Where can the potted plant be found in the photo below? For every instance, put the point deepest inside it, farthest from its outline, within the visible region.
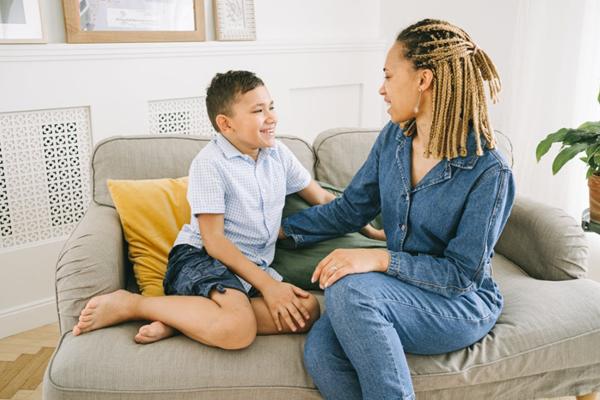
(585, 138)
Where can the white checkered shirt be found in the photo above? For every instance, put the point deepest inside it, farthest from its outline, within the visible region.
(250, 194)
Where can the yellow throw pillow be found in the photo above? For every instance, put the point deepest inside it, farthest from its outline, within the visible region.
(152, 212)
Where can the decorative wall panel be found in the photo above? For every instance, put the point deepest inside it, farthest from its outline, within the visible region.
(44, 174)
(183, 116)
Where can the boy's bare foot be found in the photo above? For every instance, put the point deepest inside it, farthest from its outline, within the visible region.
(106, 310)
(154, 332)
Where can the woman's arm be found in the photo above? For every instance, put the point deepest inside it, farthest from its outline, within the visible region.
(350, 212)
(461, 268)
(314, 194)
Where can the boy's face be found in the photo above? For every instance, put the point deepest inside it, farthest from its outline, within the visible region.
(251, 125)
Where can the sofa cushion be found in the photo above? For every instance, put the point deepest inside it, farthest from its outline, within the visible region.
(101, 363)
(152, 211)
(544, 327)
(160, 156)
(545, 241)
(527, 341)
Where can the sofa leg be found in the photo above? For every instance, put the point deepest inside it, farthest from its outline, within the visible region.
(589, 396)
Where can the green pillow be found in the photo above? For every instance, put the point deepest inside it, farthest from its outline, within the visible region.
(297, 265)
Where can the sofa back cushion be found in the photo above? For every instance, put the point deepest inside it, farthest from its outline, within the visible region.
(341, 152)
(159, 156)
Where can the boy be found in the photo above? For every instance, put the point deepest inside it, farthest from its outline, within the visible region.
(220, 260)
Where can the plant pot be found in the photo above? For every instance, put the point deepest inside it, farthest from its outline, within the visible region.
(594, 185)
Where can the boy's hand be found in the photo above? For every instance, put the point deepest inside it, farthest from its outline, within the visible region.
(284, 304)
(372, 233)
(281, 235)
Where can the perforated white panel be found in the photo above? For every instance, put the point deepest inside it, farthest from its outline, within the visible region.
(44, 174)
(185, 116)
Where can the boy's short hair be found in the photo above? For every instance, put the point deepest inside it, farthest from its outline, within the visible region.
(223, 90)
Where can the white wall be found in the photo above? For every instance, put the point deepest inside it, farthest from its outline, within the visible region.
(317, 59)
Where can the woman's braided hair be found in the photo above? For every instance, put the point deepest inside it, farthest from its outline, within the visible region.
(459, 71)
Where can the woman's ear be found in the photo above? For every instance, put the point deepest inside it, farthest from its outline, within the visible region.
(426, 79)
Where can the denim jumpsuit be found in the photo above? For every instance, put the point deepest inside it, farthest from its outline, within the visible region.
(438, 294)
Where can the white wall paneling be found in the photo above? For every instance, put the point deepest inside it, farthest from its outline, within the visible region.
(44, 174)
(321, 108)
(180, 116)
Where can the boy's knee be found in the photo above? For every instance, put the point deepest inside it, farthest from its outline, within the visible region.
(314, 310)
(234, 332)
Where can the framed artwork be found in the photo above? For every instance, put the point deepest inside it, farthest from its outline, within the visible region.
(21, 22)
(133, 21)
(234, 20)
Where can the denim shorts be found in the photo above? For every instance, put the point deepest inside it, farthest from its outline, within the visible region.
(192, 272)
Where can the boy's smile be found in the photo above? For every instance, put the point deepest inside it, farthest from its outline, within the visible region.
(251, 123)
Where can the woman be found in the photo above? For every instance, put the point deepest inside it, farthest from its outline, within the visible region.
(445, 195)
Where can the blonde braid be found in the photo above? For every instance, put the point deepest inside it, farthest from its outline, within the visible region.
(460, 69)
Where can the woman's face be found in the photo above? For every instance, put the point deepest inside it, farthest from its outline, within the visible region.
(400, 88)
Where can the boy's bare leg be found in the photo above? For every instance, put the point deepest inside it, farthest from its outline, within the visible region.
(265, 326)
(225, 320)
(264, 321)
(154, 332)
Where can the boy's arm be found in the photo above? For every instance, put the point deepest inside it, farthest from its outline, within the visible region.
(314, 194)
(222, 249)
(282, 299)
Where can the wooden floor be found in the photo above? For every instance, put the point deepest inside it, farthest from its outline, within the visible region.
(23, 360)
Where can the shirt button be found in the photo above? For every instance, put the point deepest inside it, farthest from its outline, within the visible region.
(402, 227)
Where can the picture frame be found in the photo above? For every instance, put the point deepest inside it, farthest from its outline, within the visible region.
(134, 21)
(234, 20)
(21, 22)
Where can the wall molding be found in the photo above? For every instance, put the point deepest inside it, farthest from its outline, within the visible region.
(27, 316)
(71, 52)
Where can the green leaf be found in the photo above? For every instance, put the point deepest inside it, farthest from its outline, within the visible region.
(579, 136)
(589, 173)
(590, 126)
(566, 154)
(544, 145)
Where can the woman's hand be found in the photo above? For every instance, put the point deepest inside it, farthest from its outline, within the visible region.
(342, 262)
(283, 302)
(372, 233)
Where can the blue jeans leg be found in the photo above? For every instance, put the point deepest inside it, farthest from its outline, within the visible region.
(378, 318)
(328, 365)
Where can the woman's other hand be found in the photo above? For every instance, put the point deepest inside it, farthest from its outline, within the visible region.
(342, 262)
(372, 233)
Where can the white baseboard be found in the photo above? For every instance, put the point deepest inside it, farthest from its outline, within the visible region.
(27, 316)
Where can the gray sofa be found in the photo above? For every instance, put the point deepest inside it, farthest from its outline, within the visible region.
(546, 343)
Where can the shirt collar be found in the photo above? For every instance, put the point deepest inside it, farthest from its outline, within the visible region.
(230, 151)
(466, 162)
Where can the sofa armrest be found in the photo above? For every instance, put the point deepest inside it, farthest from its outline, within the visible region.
(544, 241)
(92, 262)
